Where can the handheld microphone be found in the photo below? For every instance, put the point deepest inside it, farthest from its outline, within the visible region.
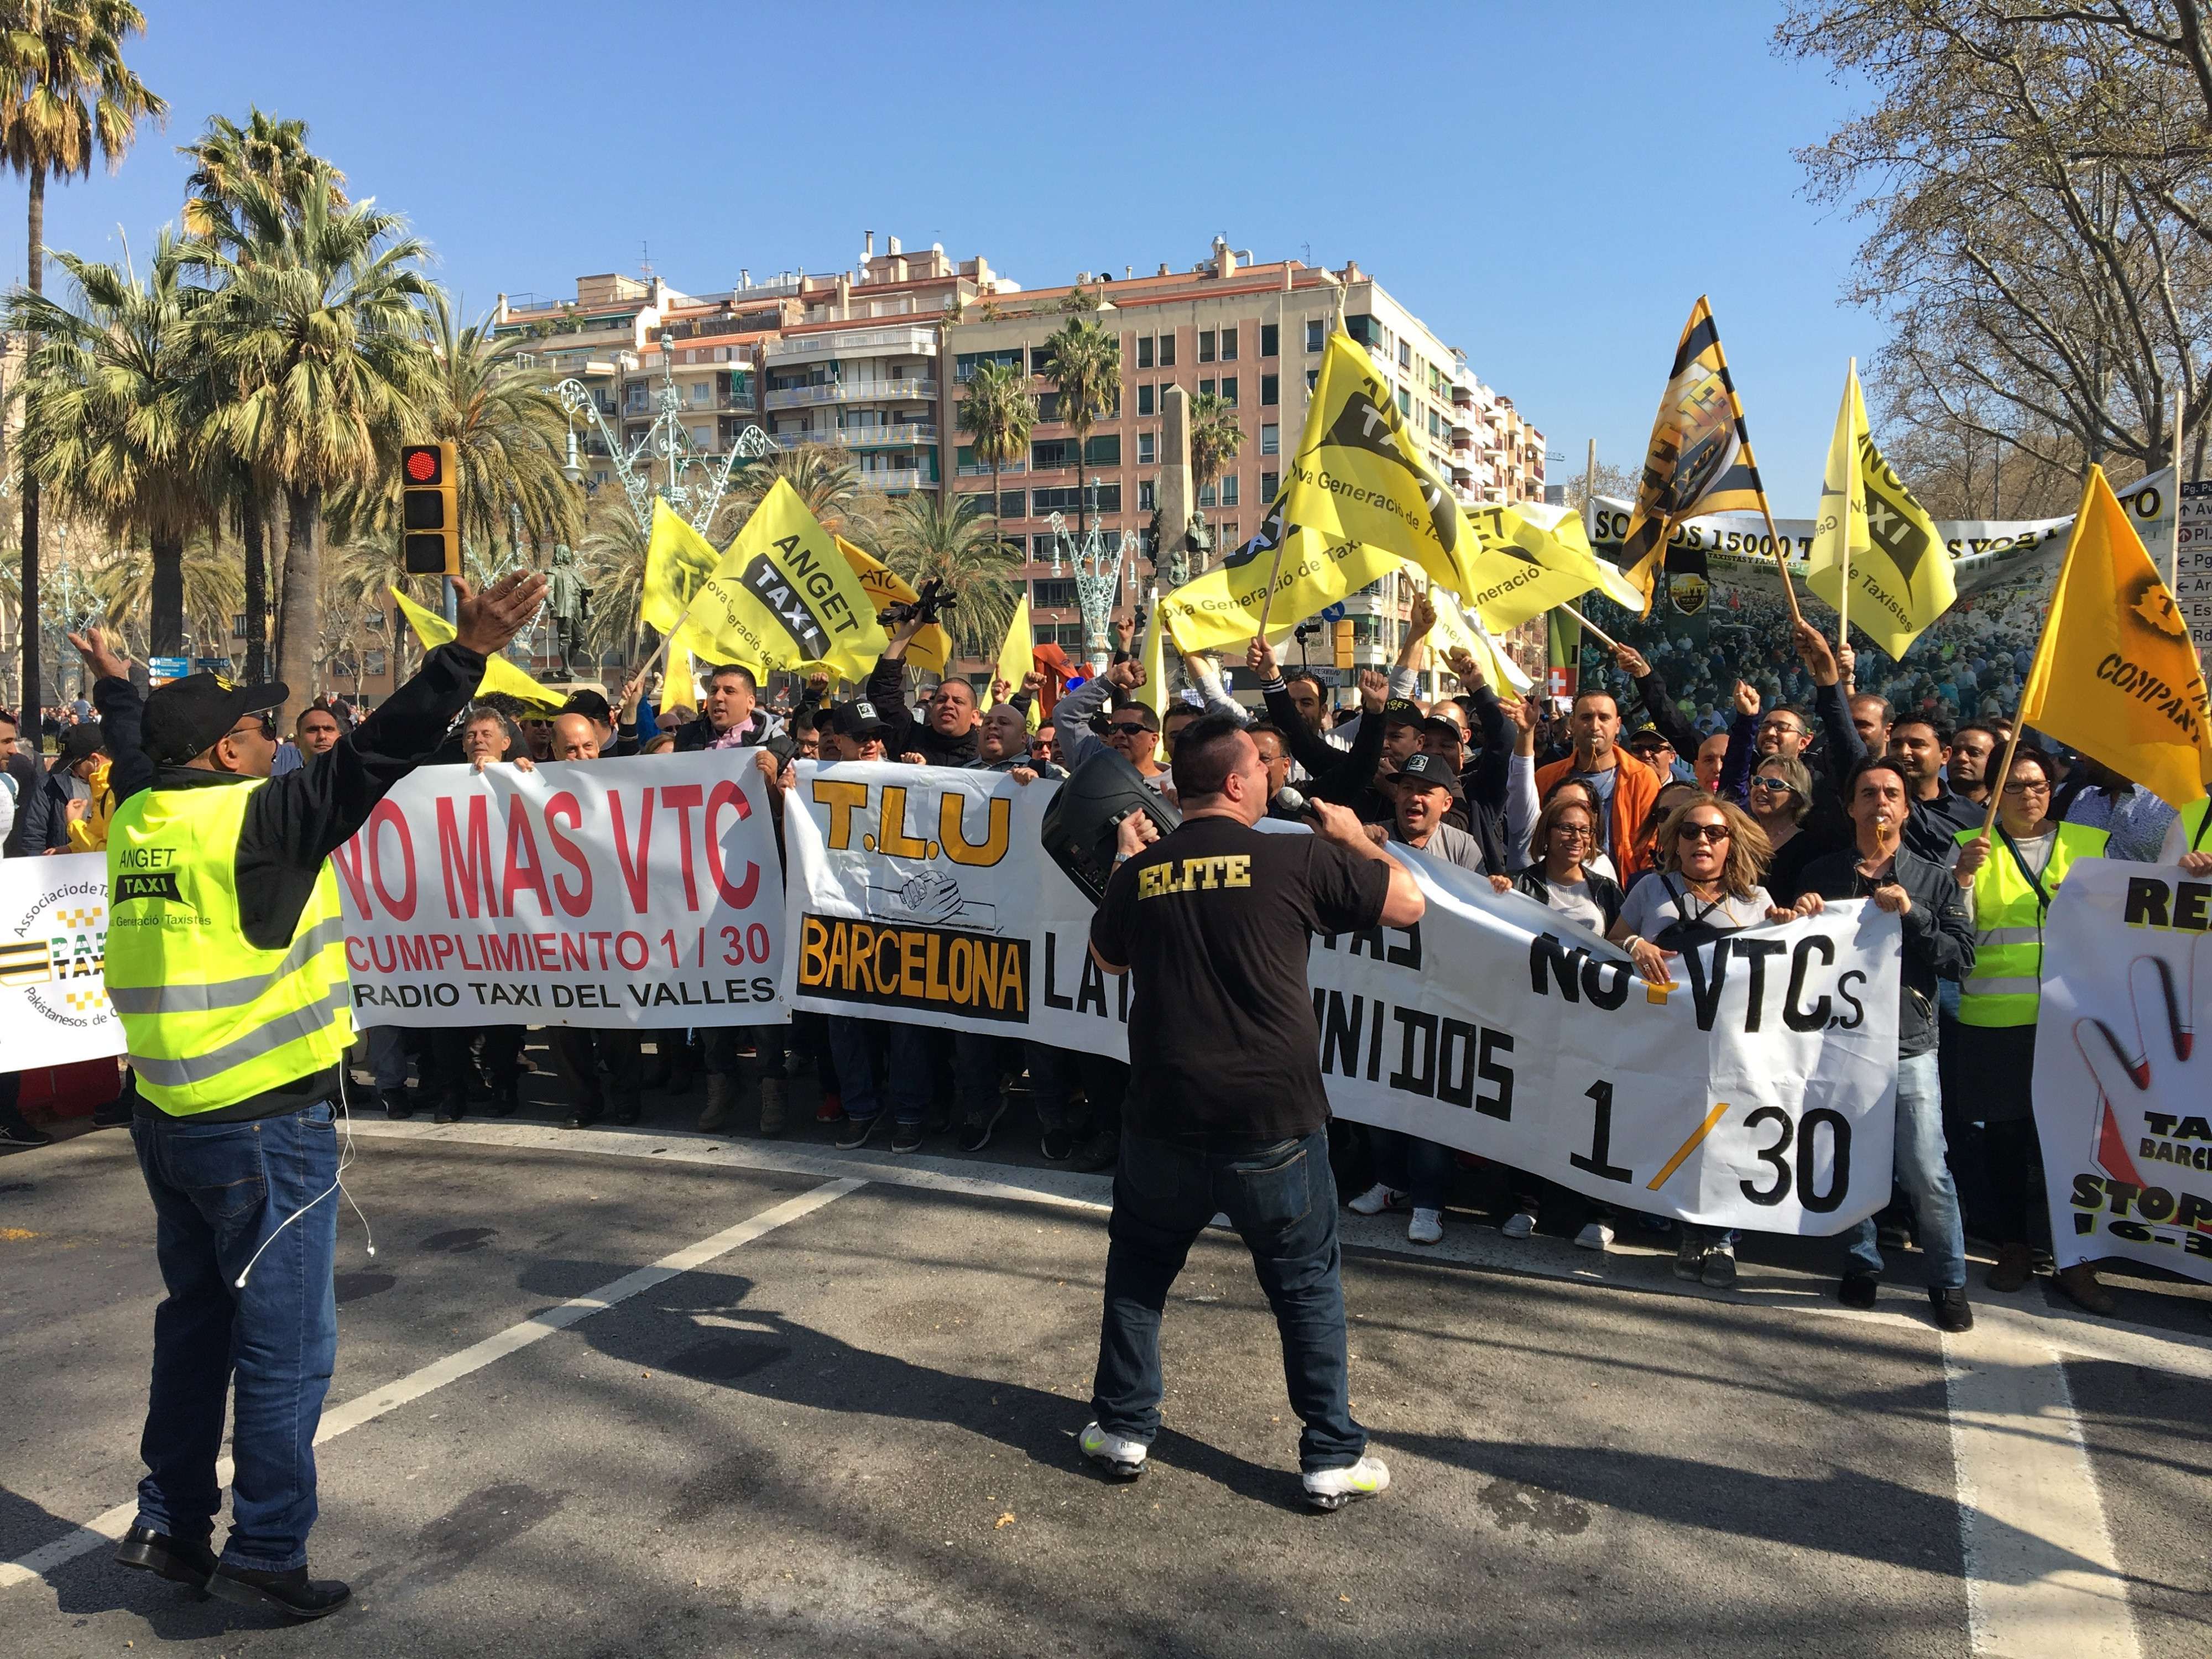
(1289, 802)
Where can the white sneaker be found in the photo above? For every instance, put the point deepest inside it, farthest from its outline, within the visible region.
(1595, 1236)
(1427, 1227)
(1122, 1459)
(1377, 1198)
(1332, 1489)
(1519, 1224)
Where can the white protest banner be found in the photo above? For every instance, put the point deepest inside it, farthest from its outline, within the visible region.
(2123, 1094)
(1760, 1092)
(627, 892)
(53, 945)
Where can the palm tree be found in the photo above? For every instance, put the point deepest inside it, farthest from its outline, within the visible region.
(1086, 367)
(64, 91)
(113, 411)
(999, 412)
(824, 477)
(1215, 437)
(212, 587)
(275, 153)
(927, 536)
(612, 560)
(314, 320)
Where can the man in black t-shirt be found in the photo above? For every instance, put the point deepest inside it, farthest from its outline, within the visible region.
(1225, 1112)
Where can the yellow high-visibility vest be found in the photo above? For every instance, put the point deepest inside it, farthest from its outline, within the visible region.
(210, 1018)
(2006, 986)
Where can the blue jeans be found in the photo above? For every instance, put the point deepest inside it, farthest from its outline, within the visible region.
(220, 1191)
(1422, 1169)
(906, 1060)
(1281, 1199)
(1926, 1178)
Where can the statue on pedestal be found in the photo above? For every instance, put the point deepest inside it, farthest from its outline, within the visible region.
(569, 602)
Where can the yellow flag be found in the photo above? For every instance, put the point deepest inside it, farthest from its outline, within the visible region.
(1358, 476)
(1871, 533)
(783, 598)
(500, 674)
(1153, 693)
(2115, 675)
(1699, 459)
(1015, 661)
(931, 648)
(1460, 627)
(1532, 557)
(677, 559)
(1222, 607)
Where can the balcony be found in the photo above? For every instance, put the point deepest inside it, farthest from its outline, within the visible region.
(893, 481)
(861, 437)
(982, 469)
(854, 391)
(906, 341)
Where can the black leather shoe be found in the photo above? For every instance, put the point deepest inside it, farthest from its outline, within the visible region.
(177, 1559)
(1951, 1310)
(1858, 1290)
(292, 1592)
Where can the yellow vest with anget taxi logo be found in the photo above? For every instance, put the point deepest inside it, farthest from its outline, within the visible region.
(2006, 987)
(211, 1020)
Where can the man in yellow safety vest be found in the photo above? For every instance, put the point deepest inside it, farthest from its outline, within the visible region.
(226, 965)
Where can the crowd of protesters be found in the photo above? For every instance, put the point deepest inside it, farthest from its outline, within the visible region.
(1655, 820)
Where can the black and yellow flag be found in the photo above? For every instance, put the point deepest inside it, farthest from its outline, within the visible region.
(1875, 549)
(1700, 455)
(1359, 477)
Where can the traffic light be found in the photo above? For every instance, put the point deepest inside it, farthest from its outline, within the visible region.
(1342, 640)
(429, 515)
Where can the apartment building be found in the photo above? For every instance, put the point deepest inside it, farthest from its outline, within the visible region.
(872, 360)
(1253, 334)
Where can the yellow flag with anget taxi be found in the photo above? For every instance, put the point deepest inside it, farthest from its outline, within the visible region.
(1357, 475)
(1222, 608)
(2115, 674)
(1874, 539)
(783, 598)
(500, 675)
(677, 561)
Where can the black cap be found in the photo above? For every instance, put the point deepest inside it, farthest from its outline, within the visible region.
(81, 742)
(1401, 711)
(190, 716)
(591, 705)
(1429, 771)
(1436, 726)
(1647, 734)
(857, 719)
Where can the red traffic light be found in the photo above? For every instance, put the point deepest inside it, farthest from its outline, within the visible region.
(421, 464)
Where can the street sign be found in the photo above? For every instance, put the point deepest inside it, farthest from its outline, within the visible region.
(160, 670)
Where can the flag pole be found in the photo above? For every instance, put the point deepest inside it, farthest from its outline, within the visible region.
(2174, 564)
(1782, 557)
(1604, 636)
(1843, 588)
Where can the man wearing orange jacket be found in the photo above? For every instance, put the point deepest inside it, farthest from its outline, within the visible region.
(1624, 785)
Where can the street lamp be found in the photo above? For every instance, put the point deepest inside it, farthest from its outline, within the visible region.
(693, 482)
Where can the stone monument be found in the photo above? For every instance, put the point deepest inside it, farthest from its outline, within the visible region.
(1174, 496)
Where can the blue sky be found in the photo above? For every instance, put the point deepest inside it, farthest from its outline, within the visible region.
(1549, 186)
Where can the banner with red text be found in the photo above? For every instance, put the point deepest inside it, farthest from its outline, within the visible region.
(2123, 1094)
(628, 892)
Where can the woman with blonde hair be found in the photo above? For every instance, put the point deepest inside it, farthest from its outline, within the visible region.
(1711, 856)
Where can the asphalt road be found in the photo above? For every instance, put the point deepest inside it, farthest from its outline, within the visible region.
(854, 1432)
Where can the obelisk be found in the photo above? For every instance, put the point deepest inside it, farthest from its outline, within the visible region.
(1173, 495)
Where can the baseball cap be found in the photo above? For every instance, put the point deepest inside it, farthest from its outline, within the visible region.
(1648, 736)
(1401, 711)
(82, 742)
(189, 716)
(1436, 726)
(858, 719)
(1430, 772)
(591, 705)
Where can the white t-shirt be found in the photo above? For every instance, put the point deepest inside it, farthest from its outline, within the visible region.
(1571, 899)
(1650, 910)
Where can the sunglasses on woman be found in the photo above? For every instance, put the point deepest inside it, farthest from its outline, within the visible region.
(1712, 832)
(1782, 784)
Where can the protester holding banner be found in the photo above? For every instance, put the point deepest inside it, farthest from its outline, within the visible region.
(2008, 888)
(729, 715)
(1566, 833)
(1225, 1109)
(945, 735)
(1422, 789)
(2134, 819)
(225, 960)
(2188, 839)
(1780, 799)
(1938, 943)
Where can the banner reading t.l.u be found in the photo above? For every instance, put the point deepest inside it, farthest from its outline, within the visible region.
(1760, 1092)
(2123, 1094)
(629, 892)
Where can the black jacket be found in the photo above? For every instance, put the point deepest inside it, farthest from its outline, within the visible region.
(908, 736)
(1604, 891)
(1939, 939)
(294, 823)
(42, 816)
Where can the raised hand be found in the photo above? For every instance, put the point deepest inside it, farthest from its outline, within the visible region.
(1747, 700)
(1631, 661)
(1374, 688)
(1260, 657)
(491, 618)
(100, 656)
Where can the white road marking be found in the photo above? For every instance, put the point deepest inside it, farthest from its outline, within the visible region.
(367, 1408)
(2043, 1581)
